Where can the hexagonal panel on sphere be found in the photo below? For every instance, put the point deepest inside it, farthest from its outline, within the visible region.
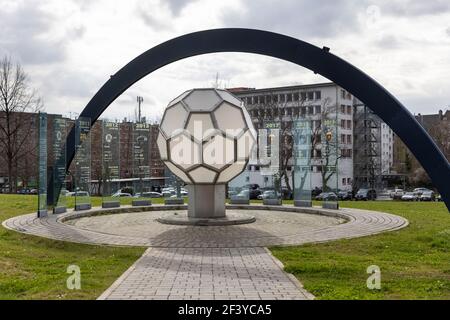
(230, 119)
(203, 175)
(202, 100)
(218, 151)
(199, 125)
(173, 119)
(184, 152)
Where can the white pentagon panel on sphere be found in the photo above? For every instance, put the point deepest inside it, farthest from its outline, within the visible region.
(245, 144)
(229, 97)
(177, 171)
(173, 119)
(183, 151)
(231, 172)
(230, 119)
(179, 98)
(203, 175)
(218, 151)
(161, 142)
(199, 125)
(202, 100)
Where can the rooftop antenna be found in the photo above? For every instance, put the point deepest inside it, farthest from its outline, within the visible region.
(139, 101)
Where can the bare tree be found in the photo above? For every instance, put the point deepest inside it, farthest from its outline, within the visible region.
(16, 98)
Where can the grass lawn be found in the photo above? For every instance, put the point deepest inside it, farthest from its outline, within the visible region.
(35, 268)
(414, 262)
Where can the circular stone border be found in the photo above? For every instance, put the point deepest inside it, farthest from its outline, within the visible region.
(358, 223)
(231, 218)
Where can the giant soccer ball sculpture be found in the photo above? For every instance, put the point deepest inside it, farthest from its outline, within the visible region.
(206, 138)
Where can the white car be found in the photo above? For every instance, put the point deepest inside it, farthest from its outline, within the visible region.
(121, 195)
(410, 196)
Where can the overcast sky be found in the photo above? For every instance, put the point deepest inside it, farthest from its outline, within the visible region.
(69, 48)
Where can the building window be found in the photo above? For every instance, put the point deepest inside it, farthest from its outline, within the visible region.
(344, 180)
(349, 139)
(342, 94)
(289, 97)
(349, 109)
(342, 138)
(296, 96)
(318, 95)
(311, 95)
(282, 97)
(342, 109)
(318, 109)
(349, 124)
(310, 110)
(342, 124)
(303, 96)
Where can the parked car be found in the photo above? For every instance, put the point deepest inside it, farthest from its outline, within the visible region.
(439, 198)
(427, 196)
(366, 194)
(121, 195)
(420, 191)
(149, 194)
(410, 196)
(345, 195)
(398, 194)
(269, 194)
(251, 194)
(327, 196)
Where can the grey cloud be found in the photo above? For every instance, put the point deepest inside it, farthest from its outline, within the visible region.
(448, 31)
(299, 18)
(176, 6)
(415, 7)
(20, 35)
(152, 21)
(388, 42)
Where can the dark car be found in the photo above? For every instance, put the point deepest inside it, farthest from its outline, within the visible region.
(254, 193)
(287, 194)
(327, 196)
(366, 194)
(345, 195)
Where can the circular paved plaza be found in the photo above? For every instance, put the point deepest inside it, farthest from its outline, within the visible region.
(284, 225)
(207, 262)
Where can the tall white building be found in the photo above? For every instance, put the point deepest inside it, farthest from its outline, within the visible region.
(313, 102)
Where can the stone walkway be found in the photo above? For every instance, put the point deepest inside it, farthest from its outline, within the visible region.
(206, 274)
(195, 262)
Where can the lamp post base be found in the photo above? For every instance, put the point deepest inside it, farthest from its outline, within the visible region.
(206, 201)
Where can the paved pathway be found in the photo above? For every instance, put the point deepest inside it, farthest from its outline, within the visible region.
(206, 273)
(194, 262)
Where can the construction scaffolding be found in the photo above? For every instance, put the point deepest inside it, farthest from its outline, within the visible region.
(367, 148)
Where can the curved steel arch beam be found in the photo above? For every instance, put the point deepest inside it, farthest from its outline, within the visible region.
(386, 106)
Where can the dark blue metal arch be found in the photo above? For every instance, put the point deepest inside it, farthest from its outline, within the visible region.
(386, 106)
